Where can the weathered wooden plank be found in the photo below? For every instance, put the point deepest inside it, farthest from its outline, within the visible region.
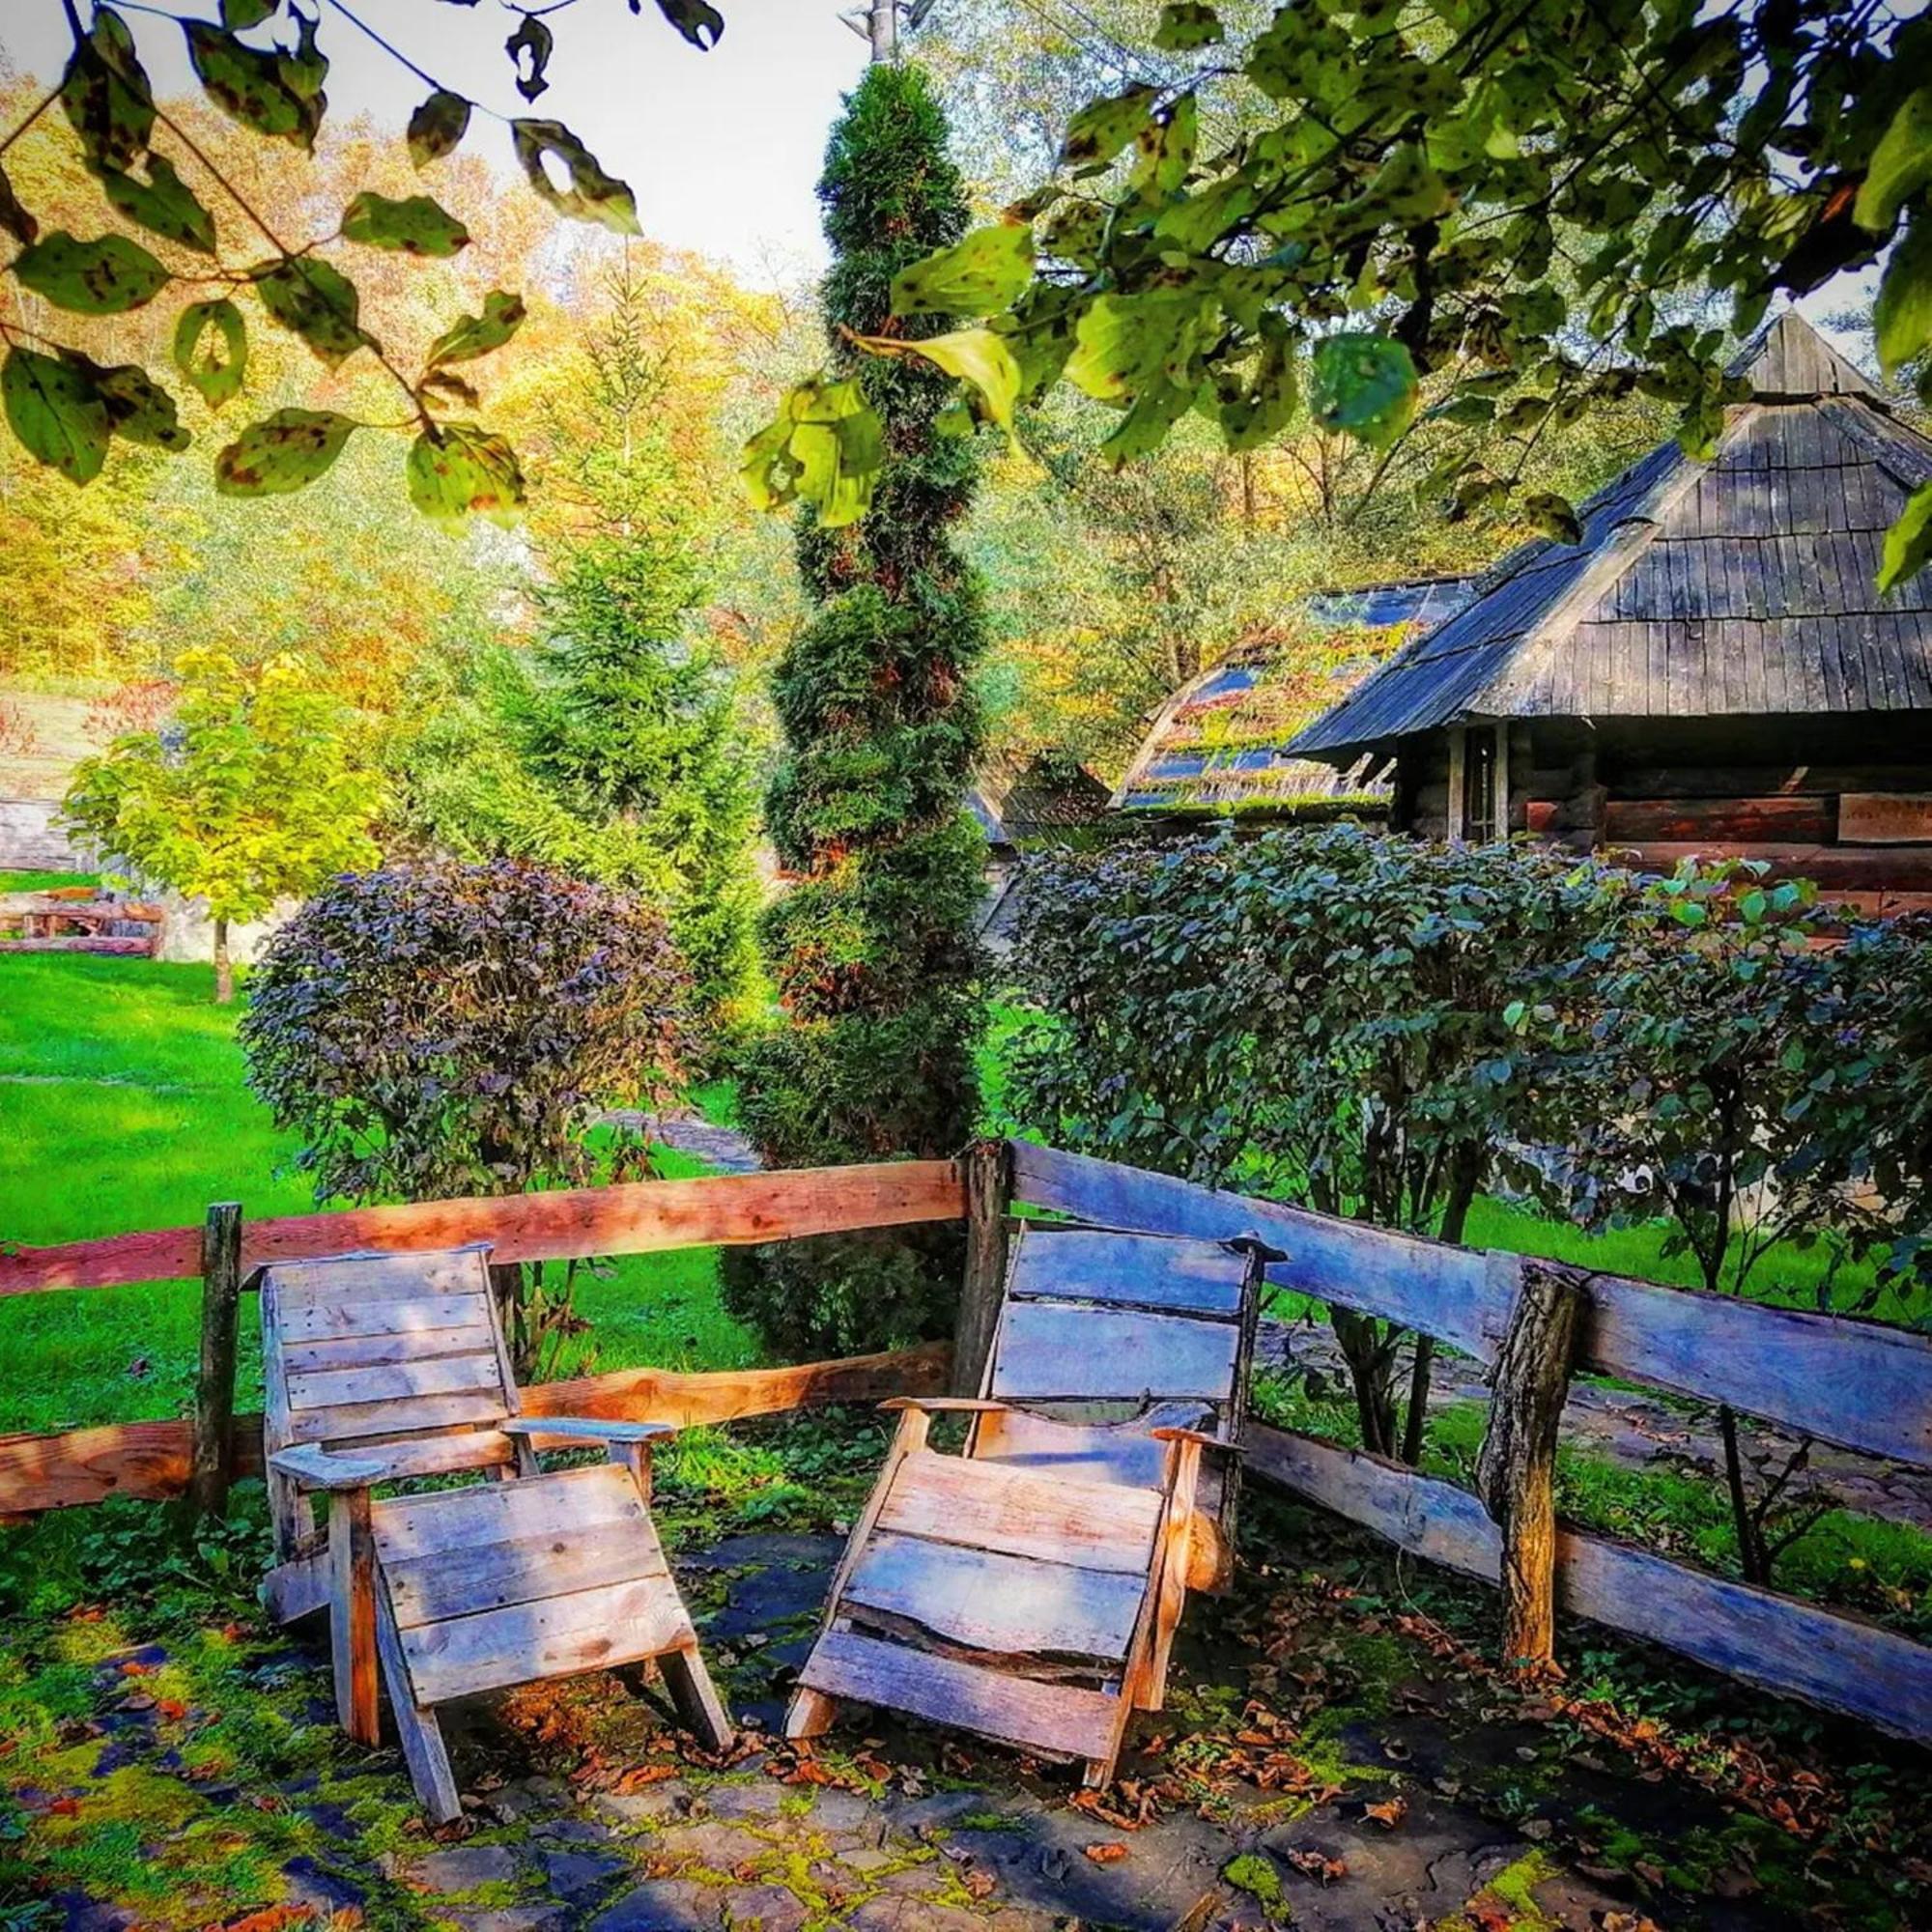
(993, 1601)
(588, 1630)
(1875, 818)
(988, 1169)
(638, 1217)
(409, 1527)
(151, 1459)
(416, 1726)
(1675, 781)
(1088, 1454)
(1050, 1349)
(323, 1321)
(1904, 868)
(469, 1578)
(369, 1351)
(1134, 1271)
(215, 1381)
(394, 1381)
(1064, 1719)
(1859, 1384)
(89, 942)
(990, 1506)
(1796, 1649)
(446, 1454)
(363, 1278)
(346, 1421)
(1797, 818)
(351, 1615)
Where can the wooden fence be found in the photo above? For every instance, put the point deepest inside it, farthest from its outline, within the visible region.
(1860, 1385)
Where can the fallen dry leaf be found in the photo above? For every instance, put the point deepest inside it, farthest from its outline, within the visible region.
(1316, 1864)
(1389, 1813)
(1108, 1853)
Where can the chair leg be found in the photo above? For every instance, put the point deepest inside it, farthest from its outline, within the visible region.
(809, 1713)
(416, 1727)
(691, 1692)
(351, 1615)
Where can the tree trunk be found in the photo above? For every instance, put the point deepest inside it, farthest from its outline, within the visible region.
(1455, 1218)
(224, 969)
(1370, 1358)
(1750, 1544)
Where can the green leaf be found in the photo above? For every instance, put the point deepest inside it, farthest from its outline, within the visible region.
(314, 300)
(1124, 344)
(138, 409)
(459, 470)
(1165, 150)
(592, 194)
(164, 204)
(107, 276)
(305, 66)
(981, 276)
(1901, 164)
(211, 350)
(287, 451)
(415, 225)
(251, 87)
(106, 95)
(1261, 411)
(1554, 516)
(825, 446)
(477, 334)
(1903, 313)
(1908, 544)
(1100, 130)
(1188, 25)
(1365, 384)
(14, 217)
(437, 127)
(697, 20)
(238, 16)
(529, 50)
(57, 413)
(975, 355)
(766, 466)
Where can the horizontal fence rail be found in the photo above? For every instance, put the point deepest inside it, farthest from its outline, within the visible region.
(1859, 1384)
(151, 1459)
(629, 1218)
(1830, 1658)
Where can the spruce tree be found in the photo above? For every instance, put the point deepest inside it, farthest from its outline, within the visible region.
(872, 949)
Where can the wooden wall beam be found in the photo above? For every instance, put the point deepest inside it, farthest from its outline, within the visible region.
(1859, 1384)
(635, 1217)
(152, 1459)
(1797, 1649)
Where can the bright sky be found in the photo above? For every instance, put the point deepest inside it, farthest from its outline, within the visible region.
(721, 149)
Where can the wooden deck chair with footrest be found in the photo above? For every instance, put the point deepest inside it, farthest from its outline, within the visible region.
(380, 1369)
(1030, 1588)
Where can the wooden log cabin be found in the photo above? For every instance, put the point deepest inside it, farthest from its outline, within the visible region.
(1709, 670)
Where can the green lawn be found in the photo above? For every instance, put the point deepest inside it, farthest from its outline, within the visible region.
(45, 881)
(122, 1106)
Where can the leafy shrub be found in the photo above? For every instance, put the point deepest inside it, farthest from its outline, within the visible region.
(440, 1029)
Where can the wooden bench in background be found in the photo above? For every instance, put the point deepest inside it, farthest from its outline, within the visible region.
(71, 919)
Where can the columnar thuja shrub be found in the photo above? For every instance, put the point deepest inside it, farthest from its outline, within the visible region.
(871, 950)
(438, 1030)
(1325, 1016)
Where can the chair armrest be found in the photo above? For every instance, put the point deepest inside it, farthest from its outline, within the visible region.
(586, 1428)
(945, 1405)
(1199, 1435)
(315, 1467)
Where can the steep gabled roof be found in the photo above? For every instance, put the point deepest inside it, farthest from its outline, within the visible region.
(1742, 585)
(1016, 798)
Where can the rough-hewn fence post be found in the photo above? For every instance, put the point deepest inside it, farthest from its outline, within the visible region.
(212, 1464)
(989, 1170)
(1516, 1470)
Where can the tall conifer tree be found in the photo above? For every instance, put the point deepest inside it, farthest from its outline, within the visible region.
(873, 949)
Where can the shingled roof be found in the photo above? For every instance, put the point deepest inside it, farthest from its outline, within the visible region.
(1744, 585)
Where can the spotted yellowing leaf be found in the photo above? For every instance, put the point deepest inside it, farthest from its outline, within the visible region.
(164, 204)
(415, 225)
(211, 350)
(14, 216)
(982, 275)
(437, 127)
(285, 452)
(314, 300)
(529, 50)
(57, 413)
(697, 20)
(238, 16)
(592, 194)
(1554, 516)
(106, 276)
(826, 447)
(1365, 384)
(975, 355)
(107, 96)
(251, 86)
(478, 334)
(138, 409)
(459, 471)
(1096, 133)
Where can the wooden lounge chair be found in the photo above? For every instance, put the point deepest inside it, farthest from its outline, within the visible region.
(1029, 1589)
(382, 1368)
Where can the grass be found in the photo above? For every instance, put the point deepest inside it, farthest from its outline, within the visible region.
(122, 1105)
(45, 881)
